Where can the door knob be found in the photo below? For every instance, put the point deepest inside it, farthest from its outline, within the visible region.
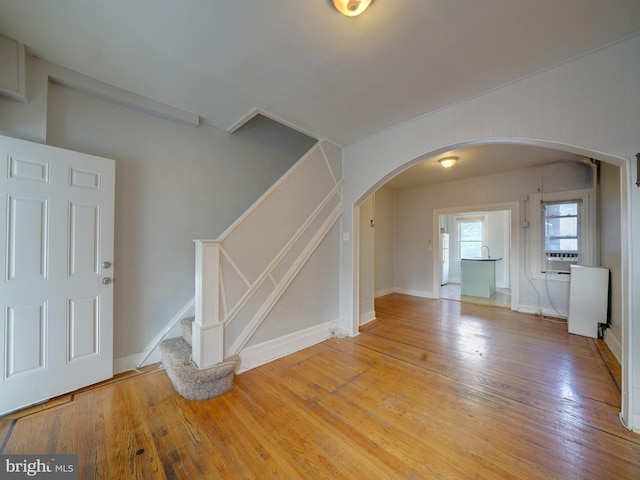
(106, 280)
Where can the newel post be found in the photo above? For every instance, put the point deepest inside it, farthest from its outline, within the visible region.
(208, 330)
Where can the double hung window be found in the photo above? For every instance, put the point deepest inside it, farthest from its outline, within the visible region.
(561, 242)
(471, 231)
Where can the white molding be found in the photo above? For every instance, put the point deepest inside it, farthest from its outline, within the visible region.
(207, 282)
(269, 192)
(275, 262)
(613, 341)
(533, 310)
(104, 91)
(287, 279)
(371, 319)
(258, 111)
(513, 244)
(383, 292)
(207, 342)
(130, 362)
(415, 293)
(367, 317)
(587, 231)
(146, 355)
(242, 120)
(256, 355)
(551, 313)
(133, 362)
(635, 426)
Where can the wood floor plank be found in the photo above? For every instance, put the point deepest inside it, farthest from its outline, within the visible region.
(431, 389)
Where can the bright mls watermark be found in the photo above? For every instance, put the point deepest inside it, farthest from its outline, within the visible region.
(51, 467)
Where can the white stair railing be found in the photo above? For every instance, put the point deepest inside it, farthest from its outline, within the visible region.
(242, 274)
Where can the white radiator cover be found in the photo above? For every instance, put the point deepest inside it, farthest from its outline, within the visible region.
(588, 299)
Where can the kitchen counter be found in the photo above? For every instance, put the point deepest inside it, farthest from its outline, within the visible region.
(479, 276)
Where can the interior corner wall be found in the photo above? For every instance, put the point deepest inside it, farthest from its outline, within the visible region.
(586, 105)
(383, 242)
(367, 240)
(609, 216)
(174, 183)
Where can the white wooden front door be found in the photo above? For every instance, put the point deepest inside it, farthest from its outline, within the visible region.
(56, 296)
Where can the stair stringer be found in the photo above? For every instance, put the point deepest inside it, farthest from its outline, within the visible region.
(282, 286)
(242, 275)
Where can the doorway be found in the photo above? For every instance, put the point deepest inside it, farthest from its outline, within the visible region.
(476, 232)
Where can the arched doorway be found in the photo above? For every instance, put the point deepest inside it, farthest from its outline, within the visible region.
(611, 159)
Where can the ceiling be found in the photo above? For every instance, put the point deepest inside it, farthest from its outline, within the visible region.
(302, 62)
(478, 161)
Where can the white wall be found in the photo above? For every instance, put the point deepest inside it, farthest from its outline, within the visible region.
(174, 183)
(367, 266)
(384, 242)
(610, 253)
(588, 105)
(311, 299)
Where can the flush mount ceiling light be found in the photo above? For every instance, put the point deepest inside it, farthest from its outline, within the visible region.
(448, 162)
(351, 8)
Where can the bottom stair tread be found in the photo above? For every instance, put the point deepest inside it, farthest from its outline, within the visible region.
(188, 380)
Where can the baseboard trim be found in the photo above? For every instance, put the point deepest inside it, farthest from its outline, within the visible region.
(256, 355)
(383, 292)
(250, 357)
(635, 426)
(151, 354)
(367, 317)
(547, 312)
(362, 324)
(130, 363)
(415, 293)
(612, 339)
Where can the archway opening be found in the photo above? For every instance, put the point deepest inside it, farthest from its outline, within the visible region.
(498, 178)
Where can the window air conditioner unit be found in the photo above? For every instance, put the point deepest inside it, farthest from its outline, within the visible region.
(559, 262)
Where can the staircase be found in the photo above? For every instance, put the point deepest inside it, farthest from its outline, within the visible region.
(188, 380)
(243, 275)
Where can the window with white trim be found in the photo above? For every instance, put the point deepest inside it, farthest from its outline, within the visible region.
(471, 236)
(560, 234)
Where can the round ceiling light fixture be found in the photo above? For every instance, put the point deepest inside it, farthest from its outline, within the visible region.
(351, 8)
(448, 162)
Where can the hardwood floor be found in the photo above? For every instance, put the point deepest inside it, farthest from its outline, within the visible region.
(432, 389)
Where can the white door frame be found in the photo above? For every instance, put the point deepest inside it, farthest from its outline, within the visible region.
(514, 242)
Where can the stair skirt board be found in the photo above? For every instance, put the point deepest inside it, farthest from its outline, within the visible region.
(191, 382)
(186, 327)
